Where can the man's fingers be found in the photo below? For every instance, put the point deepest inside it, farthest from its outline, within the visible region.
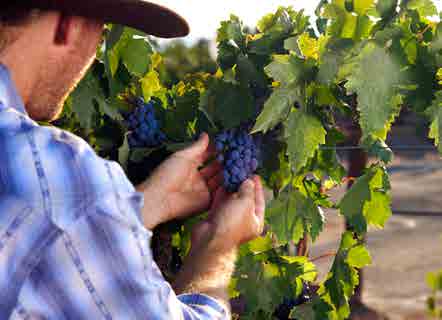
(210, 152)
(218, 199)
(198, 150)
(211, 170)
(247, 189)
(215, 182)
(260, 204)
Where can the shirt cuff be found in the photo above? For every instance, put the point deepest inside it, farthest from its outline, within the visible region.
(203, 301)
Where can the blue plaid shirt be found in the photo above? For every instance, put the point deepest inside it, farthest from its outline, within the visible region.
(72, 243)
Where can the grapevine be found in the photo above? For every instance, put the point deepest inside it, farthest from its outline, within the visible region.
(275, 107)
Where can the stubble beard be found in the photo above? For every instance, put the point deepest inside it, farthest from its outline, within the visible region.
(55, 84)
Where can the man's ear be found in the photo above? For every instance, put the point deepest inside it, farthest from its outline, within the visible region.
(64, 30)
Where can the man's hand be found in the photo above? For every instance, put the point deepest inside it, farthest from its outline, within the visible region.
(233, 218)
(177, 188)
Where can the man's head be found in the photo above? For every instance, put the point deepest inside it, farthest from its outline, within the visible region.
(48, 51)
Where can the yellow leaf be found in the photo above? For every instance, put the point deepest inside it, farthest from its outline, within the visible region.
(219, 73)
(156, 60)
(439, 76)
(181, 88)
(254, 37)
(308, 46)
(150, 84)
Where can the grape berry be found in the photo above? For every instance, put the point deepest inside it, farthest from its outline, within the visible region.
(144, 127)
(238, 152)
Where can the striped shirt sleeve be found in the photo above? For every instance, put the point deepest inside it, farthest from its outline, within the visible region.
(101, 267)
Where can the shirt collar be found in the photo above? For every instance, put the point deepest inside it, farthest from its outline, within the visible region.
(9, 97)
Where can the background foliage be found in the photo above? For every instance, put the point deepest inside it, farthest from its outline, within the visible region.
(361, 61)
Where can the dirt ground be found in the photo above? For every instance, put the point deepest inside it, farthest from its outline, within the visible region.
(409, 246)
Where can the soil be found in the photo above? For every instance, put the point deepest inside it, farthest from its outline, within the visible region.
(407, 249)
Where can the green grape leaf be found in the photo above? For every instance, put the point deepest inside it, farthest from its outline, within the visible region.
(378, 210)
(362, 6)
(274, 30)
(378, 97)
(343, 23)
(282, 218)
(386, 8)
(278, 278)
(128, 46)
(436, 45)
(327, 166)
(227, 104)
(378, 148)
(127, 53)
(276, 108)
(358, 257)
(367, 201)
(123, 154)
(329, 67)
(113, 43)
(291, 44)
(227, 55)
(331, 58)
(136, 56)
(303, 312)
(342, 279)
(434, 280)
(289, 69)
(252, 270)
(184, 113)
(137, 155)
(291, 72)
(425, 8)
(85, 96)
(305, 134)
(323, 310)
(231, 30)
(247, 73)
(276, 169)
(435, 113)
(261, 244)
(298, 267)
(293, 214)
(279, 22)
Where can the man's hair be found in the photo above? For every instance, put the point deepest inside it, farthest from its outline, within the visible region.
(11, 17)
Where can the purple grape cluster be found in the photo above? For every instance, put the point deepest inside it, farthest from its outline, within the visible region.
(144, 127)
(239, 153)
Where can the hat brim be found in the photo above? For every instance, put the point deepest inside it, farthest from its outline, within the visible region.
(151, 18)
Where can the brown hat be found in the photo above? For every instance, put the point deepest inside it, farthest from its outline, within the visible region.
(151, 18)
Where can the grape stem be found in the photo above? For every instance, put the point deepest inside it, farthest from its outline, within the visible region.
(302, 247)
(323, 256)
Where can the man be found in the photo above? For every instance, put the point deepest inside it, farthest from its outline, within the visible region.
(74, 233)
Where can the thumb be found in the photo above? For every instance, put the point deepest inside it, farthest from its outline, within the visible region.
(197, 150)
(247, 190)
